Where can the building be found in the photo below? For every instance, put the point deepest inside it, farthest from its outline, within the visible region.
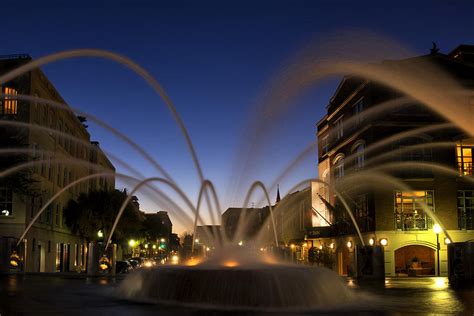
(247, 222)
(292, 215)
(158, 226)
(50, 245)
(360, 134)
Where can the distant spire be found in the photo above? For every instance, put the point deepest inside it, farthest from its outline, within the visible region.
(278, 194)
(434, 49)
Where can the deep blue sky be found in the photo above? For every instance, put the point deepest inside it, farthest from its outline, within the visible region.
(214, 60)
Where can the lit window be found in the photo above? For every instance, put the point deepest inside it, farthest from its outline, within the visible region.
(466, 209)
(6, 202)
(410, 209)
(10, 103)
(464, 159)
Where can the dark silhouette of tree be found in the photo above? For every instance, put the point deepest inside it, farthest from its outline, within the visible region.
(97, 210)
(21, 181)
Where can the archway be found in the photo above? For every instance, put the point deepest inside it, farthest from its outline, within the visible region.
(415, 260)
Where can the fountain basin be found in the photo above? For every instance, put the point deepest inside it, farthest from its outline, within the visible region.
(252, 287)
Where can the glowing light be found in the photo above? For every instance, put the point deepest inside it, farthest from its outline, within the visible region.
(292, 246)
(447, 241)
(103, 266)
(100, 234)
(148, 264)
(231, 264)
(193, 262)
(154, 246)
(196, 240)
(163, 240)
(15, 259)
(146, 246)
(174, 259)
(5, 212)
(305, 245)
(440, 283)
(320, 247)
(104, 263)
(437, 228)
(331, 245)
(132, 242)
(261, 249)
(371, 241)
(208, 249)
(349, 244)
(241, 243)
(384, 242)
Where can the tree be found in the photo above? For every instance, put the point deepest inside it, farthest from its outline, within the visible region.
(97, 210)
(21, 181)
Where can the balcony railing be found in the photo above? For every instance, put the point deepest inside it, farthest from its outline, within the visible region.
(407, 222)
(465, 169)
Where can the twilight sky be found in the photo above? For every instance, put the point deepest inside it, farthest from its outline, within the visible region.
(214, 59)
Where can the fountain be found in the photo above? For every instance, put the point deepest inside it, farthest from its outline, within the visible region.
(241, 277)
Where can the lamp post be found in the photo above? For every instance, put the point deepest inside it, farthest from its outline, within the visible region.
(437, 229)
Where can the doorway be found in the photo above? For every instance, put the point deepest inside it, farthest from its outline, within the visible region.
(415, 260)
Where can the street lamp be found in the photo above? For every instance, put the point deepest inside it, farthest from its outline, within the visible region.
(437, 229)
(100, 234)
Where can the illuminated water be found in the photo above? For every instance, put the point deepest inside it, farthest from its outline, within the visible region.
(246, 282)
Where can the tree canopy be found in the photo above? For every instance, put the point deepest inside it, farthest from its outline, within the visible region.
(97, 210)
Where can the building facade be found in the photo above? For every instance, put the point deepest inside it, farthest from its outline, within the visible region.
(395, 162)
(57, 146)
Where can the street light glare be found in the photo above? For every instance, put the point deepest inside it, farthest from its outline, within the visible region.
(437, 228)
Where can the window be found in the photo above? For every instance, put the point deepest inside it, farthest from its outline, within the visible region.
(10, 104)
(410, 209)
(324, 144)
(57, 218)
(466, 209)
(359, 155)
(339, 167)
(6, 202)
(358, 107)
(362, 207)
(339, 128)
(464, 159)
(415, 149)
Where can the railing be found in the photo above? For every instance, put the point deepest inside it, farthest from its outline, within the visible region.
(465, 169)
(15, 56)
(408, 222)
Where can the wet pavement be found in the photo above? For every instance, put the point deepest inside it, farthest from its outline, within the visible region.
(61, 295)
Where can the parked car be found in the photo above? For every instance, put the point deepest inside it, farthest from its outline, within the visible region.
(133, 263)
(122, 267)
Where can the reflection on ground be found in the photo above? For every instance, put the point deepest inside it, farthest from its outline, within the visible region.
(46, 294)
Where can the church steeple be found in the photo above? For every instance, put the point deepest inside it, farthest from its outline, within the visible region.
(278, 194)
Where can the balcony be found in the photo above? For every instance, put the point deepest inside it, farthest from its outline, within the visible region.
(409, 222)
(465, 168)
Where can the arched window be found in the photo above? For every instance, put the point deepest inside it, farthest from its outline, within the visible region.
(339, 166)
